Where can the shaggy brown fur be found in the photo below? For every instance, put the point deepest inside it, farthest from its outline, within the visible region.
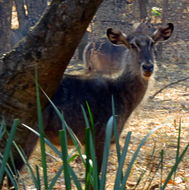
(128, 88)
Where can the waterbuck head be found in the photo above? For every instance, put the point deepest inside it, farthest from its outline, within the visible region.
(141, 46)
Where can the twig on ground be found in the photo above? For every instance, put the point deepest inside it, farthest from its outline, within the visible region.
(168, 85)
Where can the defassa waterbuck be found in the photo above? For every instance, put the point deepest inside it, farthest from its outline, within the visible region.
(128, 88)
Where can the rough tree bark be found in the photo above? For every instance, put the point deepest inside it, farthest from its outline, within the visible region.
(49, 47)
(143, 8)
(35, 9)
(165, 4)
(22, 17)
(5, 25)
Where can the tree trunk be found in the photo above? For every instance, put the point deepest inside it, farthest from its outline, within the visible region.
(35, 10)
(49, 47)
(29, 12)
(143, 8)
(21, 12)
(159, 47)
(164, 11)
(5, 25)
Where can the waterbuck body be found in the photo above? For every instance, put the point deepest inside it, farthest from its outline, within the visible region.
(128, 89)
(103, 57)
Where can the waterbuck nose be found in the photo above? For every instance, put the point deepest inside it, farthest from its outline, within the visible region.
(148, 67)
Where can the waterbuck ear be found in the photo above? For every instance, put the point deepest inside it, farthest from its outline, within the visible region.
(117, 37)
(163, 33)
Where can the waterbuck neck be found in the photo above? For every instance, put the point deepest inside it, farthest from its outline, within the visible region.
(130, 85)
(132, 68)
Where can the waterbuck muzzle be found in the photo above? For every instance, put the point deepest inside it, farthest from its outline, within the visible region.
(147, 69)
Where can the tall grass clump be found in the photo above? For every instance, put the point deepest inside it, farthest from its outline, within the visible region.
(93, 179)
(6, 156)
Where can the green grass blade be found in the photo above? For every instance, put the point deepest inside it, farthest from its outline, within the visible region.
(87, 153)
(178, 141)
(174, 168)
(75, 179)
(11, 172)
(68, 172)
(37, 177)
(10, 175)
(95, 167)
(87, 125)
(94, 161)
(106, 152)
(140, 178)
(72, 157)
(121, 162)
(91, 176)
(135, 155)
(42, 133)
(161, 166)
(116, 132)
(7, 150)
(23, 184)
(11, 162)
(51, 146)
(152, 173)
(94, 178)
(178, 144)
(75, 140)
(72, 174)
(63, 143)
(91, 119)
(2, 128)
(178, 158)
(73, 137)
(25, 160)
(55, 178)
